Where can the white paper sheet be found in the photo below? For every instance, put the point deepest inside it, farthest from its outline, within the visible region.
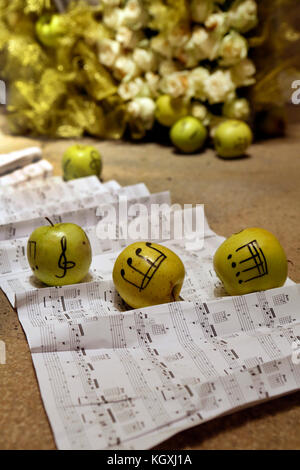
(130, 380)
(20, 178)
(113, 378)
(19, 158)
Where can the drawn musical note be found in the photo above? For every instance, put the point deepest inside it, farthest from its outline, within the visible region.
(95, 162)
(32, 246)
(63, 263)
(258, 268)
(148, 275)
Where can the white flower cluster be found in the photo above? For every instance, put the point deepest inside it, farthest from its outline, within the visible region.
(203, 62)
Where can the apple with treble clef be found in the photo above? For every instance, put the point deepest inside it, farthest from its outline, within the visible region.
(59, 254)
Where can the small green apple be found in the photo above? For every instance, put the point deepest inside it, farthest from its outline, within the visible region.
(147, 274)
(188, 134)
(59, 254)
(81, 160)
(169, 110)
(50, 28)
(232, 138)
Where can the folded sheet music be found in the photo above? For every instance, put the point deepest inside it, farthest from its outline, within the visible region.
(19, 158)
(23, 177)
(113, 378)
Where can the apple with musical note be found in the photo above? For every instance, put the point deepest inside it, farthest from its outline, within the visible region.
(59, 254)
(81, 160)
(148, 274)
(249, 261)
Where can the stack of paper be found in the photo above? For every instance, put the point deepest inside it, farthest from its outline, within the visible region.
(113, 378)
(23, 166)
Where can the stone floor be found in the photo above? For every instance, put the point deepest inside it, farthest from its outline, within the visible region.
(261, 190)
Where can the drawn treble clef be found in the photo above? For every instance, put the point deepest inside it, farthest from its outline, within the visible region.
(63, 263)
(95, 162)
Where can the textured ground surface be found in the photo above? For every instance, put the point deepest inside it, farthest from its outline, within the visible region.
(261, 190)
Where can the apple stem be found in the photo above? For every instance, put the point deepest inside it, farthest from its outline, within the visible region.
(51, 223)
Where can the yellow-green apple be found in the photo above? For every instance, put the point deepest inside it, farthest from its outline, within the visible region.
(188, 134)
(249, 261)
(59, 254)
(147, 274)
(169, 110)
(81, 160)
(232, 138)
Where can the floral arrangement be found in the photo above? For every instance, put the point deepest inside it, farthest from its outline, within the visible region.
(101, 68)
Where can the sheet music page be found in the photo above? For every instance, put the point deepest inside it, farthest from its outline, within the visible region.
(116, 378)
(128, 380)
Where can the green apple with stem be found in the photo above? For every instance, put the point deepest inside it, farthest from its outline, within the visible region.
(81, 160)
(59, 254)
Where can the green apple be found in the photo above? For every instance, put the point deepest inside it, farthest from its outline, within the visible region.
(169, 110)
(147, 274)
(188, 134)
(81, 160)
(50, 28)
(249, 261)
(232, 138)
(59, 254)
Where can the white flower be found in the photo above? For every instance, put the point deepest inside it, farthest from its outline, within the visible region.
(142, 109)
(219, 86)
(152, 81)
(128, 38)
(145, 59)
(217, 23)
(176, 84)
(125, 68)
(199, 111)
(202, 45)
(243, 73)
(109, 51)
(238, 108)
(166, 67)
(178, 36)
(161, 45)
(233, 49)
(196, 82)
(200, 10)
(243, 15)
(135, 16)
(129, 90)
(113, 18)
